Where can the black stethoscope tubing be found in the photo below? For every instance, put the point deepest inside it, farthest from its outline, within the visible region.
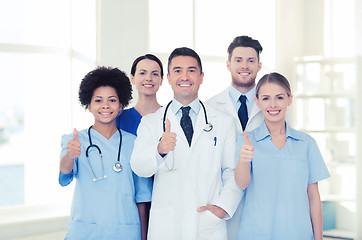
(207, 128)
(100, 152)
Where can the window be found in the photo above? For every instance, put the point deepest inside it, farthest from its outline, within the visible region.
(325, 107)
(209, 27)
(45, 49)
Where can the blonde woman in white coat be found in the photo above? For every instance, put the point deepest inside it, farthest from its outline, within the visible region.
(194, 191)
(244, 64)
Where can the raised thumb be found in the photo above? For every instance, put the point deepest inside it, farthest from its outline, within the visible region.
(75, 132)
(247, 139)
(167, 125)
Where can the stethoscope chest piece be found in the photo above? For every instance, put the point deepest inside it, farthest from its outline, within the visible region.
(208, 127)
(117, 167)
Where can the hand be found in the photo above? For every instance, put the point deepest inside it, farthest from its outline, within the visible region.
(216, 210)
(168, 140)
(73, 147)
(247, 150)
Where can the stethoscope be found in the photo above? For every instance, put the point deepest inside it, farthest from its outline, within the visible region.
(208, 126)
(117, 167)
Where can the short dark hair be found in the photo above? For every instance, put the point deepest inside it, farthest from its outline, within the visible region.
(184, 51)
(105, 77)
(276, 78)
(147, 56)
(244, 41)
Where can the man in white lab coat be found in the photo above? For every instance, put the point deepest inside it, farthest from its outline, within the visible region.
(193, 163)
(244, 64)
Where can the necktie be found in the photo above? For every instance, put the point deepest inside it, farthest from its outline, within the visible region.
(243, 112)
(186, 123)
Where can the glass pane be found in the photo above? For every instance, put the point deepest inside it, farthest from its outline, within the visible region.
(342, 26)
(216, 79)
(32, 122)
(84, 28)
(47, 116)
(12, 21)
(217, 24)
(38, 22)
(11, 130)
(324, 114)
(323, 77)
(177, 18)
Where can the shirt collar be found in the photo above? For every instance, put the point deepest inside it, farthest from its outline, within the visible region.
(262, 132)
(235, 94)
(195, 106)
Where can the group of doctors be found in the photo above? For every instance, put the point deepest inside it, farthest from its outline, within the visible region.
(185, 154)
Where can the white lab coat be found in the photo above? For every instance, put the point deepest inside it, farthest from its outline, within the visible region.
(222, 102)
(203, 174)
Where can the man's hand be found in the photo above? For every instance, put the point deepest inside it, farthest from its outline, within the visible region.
(168, 140)
(216, 210)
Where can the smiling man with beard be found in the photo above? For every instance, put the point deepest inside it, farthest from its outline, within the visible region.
(244, 64)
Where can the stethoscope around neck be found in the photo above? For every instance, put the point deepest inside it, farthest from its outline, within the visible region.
(208, 126)
(117, 167)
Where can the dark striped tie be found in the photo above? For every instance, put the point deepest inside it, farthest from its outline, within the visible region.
(186, 124)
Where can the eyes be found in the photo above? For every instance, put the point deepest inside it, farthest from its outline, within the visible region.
(110, 100)
(189, 70)
(155, 74)
(250, 60)
(280, 97)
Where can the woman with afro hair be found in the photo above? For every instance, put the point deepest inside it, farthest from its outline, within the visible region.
(106, 191)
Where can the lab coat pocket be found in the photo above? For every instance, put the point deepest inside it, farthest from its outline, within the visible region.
(211, 227)
(162, 224)
(208, 155)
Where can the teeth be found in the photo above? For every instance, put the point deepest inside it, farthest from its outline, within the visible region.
(185, 85)
(273, 112)
(244, 74)
(148, 85)
(105, 113)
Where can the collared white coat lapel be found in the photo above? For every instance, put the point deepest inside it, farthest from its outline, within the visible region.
(223, 103)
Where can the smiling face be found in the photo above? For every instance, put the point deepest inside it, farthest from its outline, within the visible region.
(104, 105)
(243, 66)
(273, 100)
(147, 77)
(185, 78)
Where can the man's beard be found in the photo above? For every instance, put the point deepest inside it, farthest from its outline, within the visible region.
(248, 84)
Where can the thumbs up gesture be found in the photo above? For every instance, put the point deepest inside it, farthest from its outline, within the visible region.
(247, 150)
(168, 140)
(73, 147)
(242, 170)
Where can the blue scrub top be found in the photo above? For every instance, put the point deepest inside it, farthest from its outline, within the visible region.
(105, 209)
(128, 120)
(276, 201)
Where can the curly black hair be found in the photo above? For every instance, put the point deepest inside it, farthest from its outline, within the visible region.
(105, 77)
